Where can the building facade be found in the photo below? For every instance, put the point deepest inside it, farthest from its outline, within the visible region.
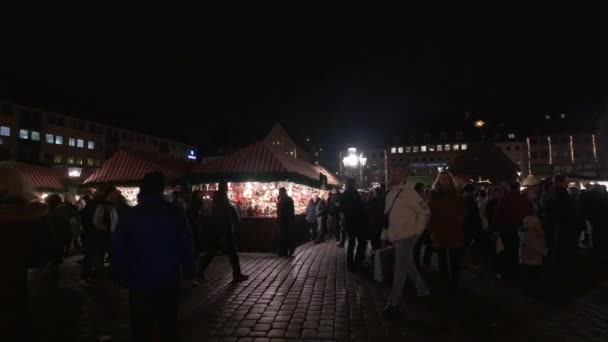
(40, 137)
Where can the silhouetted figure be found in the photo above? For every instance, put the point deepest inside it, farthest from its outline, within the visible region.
(352, 208)
(286, 218)
(152, 242)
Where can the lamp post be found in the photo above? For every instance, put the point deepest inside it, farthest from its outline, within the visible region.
(354, 161)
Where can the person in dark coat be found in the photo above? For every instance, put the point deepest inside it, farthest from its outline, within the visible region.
(25, 237)
(337, 217)
(194, 219)
(560, 214)
(311, 218)
(351, 207)
(151, 246)
(59, 222)
(286, 219)
(220, 233)
(321, 213)
(473, 227)
(593, 206)
(376, 217)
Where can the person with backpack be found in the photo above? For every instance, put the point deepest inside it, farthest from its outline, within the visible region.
(408, 216)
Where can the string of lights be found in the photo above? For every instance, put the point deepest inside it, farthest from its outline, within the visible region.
(572, 149)
(529, 157)
(550, 151)
(594, 149)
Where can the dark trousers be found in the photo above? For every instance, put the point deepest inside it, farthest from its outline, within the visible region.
(450, 264)
(340, 231)
(285, 244)
(510, 255)
(154, 314)
(424, 240)
(312, 230)
(220, 243)
(96, 241)
(356, 247)
(565, 246)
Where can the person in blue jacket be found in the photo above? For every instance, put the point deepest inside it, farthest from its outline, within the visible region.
(152, 246)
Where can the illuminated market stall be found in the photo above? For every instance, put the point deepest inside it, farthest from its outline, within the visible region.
(45, 180)
(255, 175)
(125, 170)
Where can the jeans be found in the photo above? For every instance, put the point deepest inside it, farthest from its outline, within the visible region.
(217, 243)
(450, 264)
(320, 229)
(404, 268)
(312, 230)
(424, 240)
(154, 313)
(286, 246)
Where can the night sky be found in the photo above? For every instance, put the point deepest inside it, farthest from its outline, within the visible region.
(337, 73)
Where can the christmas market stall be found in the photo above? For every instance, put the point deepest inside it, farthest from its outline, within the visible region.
(45, 180)
(255, 175)
(125, 170)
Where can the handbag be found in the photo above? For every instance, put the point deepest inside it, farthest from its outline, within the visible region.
(390, 208)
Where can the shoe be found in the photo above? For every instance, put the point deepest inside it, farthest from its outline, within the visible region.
(391, 310)
(239, 278)
(291, 252)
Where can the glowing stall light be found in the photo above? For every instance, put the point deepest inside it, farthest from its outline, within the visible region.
(352, 160)
(571, 148)
(74, 172)
(550, 150)
(529, 157)
(594, 148)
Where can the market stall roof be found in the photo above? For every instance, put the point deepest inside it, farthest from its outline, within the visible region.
(486, 161)
(42, 178)
(125, 168)
(262, 162)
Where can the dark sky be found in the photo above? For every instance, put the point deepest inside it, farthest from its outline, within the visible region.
(338, 73)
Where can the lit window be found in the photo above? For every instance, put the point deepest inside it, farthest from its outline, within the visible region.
(463, 147)
(91, 145)
(24, 134)
(70, 160)
(79, 161)
(456, 147)
(72, 142)
(431, 148)
(511, 136)
(50, 139)
(448, 147)
(400, 149)
(423, 148)
(35, 136)
(90, 161)
(58, 140)
(97, 162)
(408, 149)
(458, 135)
(57, 159)
(439, 148)
(393, 150)
(415, 149)
(5, 131)
(80, 143)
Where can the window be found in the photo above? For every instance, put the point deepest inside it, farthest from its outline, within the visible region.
(58, 140)
(80, 143)
(534, 155)
(555, 153)
(24, 134)
(439, 148)
(50, 139)
(566, 140)
(508, 148)
(448, 147)
(5, 131)
(427, 137)
(408, 149)
(458, 135)
(442, 136)
(412, 138)
(544, 154)
(97, 162)
(70, 160)
(90, 162)
(415, 149)
(533, 141)
(91, 145)
(401, 149)
(566, 154)
(511, 135)
(517, 148)
(35, 136)
(393, 150)
(79, 161)
(431, 148)
(423, 148)
(72, 142)
(464, 147)
(456, 147)
(57, 159)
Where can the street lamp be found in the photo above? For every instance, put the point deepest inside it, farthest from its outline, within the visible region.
(354, 161)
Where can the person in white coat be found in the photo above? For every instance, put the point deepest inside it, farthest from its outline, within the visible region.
(408, 216)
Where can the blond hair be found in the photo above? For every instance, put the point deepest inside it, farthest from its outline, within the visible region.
(14, 185)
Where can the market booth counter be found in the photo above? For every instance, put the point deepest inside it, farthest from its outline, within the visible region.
(255, 175)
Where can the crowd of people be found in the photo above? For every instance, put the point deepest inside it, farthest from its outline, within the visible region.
(154, 248)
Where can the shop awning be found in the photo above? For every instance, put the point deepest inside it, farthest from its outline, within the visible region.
(262, 162)
(127, 169)
(42, 178)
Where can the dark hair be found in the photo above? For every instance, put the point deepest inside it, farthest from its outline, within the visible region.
(419, 187)
(514, 186)
(152, 183)
(469, 188)
(222, 186)
(560, 177)
(53, 200)
(282, 190)
(351, 183)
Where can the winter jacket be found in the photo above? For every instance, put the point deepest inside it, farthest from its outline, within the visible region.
(408, 213)
(105, 217)
(448, 213)
(351, 207)
(560, 210)
(511, 211)
(533, 245)
(151, 243)
(25, 238)
(285, 211)
(311, 212)
(321, 209)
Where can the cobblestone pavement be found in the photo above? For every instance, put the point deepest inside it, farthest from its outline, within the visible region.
(310, 297)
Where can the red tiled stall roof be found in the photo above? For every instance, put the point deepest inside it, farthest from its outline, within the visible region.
(262, 159)
(42, 178)
(125, 168)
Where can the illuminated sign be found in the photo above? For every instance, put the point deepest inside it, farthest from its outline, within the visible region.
(192, 154)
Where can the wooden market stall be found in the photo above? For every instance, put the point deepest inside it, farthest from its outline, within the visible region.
(255, 174)
(45, 180)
